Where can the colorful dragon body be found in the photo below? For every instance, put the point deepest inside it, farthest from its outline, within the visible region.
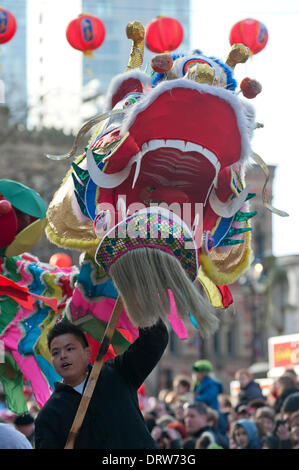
(33, 297)
(32, 294)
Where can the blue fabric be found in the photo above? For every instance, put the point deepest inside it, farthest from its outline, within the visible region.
(254, 440)
(104, 289)
(158, 77)
(231, 82)
(207, 391)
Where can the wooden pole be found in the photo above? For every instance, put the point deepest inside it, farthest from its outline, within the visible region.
(93, 377)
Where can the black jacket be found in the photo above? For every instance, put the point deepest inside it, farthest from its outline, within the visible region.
(113, 419)
(252, 391)
(280, 400)
(220, 439)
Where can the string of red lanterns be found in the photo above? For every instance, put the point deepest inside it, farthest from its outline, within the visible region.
(163, 34)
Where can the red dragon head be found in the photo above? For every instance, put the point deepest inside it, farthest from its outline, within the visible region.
(180, 139)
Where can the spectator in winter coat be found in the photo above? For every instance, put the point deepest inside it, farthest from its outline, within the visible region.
(11, 438)
(182, 388)
(213, 422)
(286, 386)
(270, 442)
(25, 424)
(196, 422)
(294, 430)
(290, 406)
(206, 389)
(245, 435)
(265, 417)
(249, 389)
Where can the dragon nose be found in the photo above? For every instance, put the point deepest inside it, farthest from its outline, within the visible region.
(202, 73)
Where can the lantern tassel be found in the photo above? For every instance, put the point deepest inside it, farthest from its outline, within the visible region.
(88, 54)
(89, 71)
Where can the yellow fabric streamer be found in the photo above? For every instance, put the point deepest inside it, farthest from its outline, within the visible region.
(213, 293)
(26, 239)
(53, 289)
(42, 344)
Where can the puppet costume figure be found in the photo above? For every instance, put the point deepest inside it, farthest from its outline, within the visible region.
(33, 297)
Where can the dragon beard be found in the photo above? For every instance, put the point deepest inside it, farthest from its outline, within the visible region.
(144, 278)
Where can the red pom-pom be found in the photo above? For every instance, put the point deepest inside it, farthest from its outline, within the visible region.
(250, 87)
(162, 63)
(62, 260)
(8, 223)
(5, 206)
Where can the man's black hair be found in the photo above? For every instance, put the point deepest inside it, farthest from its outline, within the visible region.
(63, 328)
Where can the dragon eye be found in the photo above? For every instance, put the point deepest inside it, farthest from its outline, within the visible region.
(102, 222)
(129, 102)
(192, 62)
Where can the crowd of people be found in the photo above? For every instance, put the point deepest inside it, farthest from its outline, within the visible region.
(196, 414)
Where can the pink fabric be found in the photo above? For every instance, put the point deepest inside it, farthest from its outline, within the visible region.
(26, 277)
(101, 309)
(176, 323)
(27, 364)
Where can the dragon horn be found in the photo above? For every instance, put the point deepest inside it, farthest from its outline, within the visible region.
(135, 31)
(238, 54)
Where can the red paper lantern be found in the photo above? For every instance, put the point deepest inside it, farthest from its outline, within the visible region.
(163, 34)
(250, 32)
(62, 260)
(86, 33)
(8, 26)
